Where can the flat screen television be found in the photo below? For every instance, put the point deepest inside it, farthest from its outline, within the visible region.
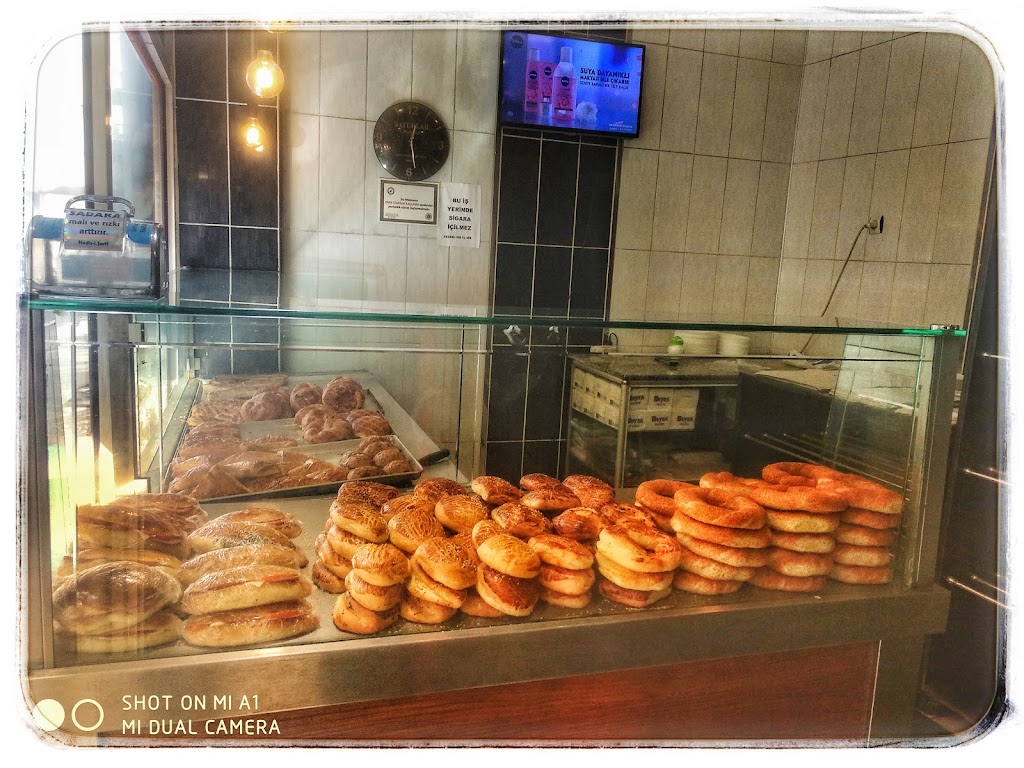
(566, 83)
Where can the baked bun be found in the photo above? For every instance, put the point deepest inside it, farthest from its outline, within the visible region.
(268, 623)
(563, 600)
(326, 579)
(615, 513)
(537, 480)
(337, 564)
(245, 554)
(281, 521)
(460, 512)
(381, 564)
(447, 561)
(631, 597)
(368, 491)
(685, 581)
(511, 595)
(495, 490)
(474, 605)
(303, 394)
(579, 523)
(561, 551)
(343, 393)
(112, 596)
(553, 499)
(218, 534)
(591, 491)
(421, 611)
(245, 586)
(341, 541)
(630, 579)
(424, 586)
(411, 527)
(640, 547)
(505, 553)
(567, 581)
(392, 507)
(350, 616)
(434, 488)
(160, 628)
(360, 519)
(521, 520)
(484, 530)
(372, 596)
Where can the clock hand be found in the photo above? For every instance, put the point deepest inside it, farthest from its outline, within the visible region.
(412, 146)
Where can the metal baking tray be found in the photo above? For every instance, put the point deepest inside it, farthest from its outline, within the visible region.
(332, 452)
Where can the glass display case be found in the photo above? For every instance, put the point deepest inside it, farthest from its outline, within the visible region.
(888, 394)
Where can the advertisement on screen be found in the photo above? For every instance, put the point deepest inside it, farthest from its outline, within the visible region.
(566, 83)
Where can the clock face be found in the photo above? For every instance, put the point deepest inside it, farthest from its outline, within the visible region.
(411, 141)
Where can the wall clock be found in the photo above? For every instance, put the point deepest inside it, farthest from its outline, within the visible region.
(411, 141)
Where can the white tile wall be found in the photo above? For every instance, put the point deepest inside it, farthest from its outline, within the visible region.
(679, 111)
(749, 108)
(921, 203)
(901, 92)
(704, 217)
(715, 107)
(938, 87)
(672, 200)
(842, 83)
(739, 207)
(811, 114)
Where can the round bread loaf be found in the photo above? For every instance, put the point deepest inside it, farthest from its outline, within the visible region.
(447, 561)
(413, 526)
(561, 551)
(563, 600)
(420, 611)
(509, 555)
(460, 512)
(579, 523)
(520, 520)
(112, 596)
(633, 580)
(511, 595)
(350, 616)
(245, 586)
(380, 564)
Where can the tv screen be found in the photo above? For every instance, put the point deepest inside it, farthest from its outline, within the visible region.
(565, 83)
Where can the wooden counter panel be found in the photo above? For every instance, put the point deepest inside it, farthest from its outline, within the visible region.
(818, 693)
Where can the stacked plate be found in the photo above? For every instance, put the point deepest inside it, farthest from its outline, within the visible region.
(733, 344)
(699, 342)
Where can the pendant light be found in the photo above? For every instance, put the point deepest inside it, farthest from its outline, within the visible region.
(254, 134)
(264, 76)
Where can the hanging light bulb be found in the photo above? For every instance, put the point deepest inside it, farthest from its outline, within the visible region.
(263, 76)
(254, 134)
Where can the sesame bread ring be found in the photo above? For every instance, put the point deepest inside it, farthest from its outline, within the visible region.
(781, 471)
(591, 491)
(820, 543)
(326, 579)
(717, 507)
(350, 616)
(661, 522)
(537, 480)
(741, 557)
(863, 493)
(801, 564)
(712, 569)
(560, 551)
(562, 600)
(425, 587)
(772, 580)
(380, 564)
(368, 491)
(869, 519)
(521, 520)
(447, 561)
(863, 536)
(630, 579)
(460, 512)
(801, 522)
(510, 595)
(658, 495)
(371, 596)
(568, 581)
(392, 507)
(342, 542)
(614, 513)
(640, 547)
(434, 488)
(686, 581)
(477, 606)
(554, 499)
(411, 527)
(421, 611)
(632, 598)
(512, 556)
(245, 586)
(716, 534)
(495, 490)
(861, 574)
(483, 531)
(852, 554)
(361, 519)
(331, 560)
(579, 523)
(281, 521)
(793, 498)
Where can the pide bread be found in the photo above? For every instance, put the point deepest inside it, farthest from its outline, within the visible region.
(112, 596)
(268, 623)
(245, 586)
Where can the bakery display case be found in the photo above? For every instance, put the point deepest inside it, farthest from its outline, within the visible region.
(887, 400)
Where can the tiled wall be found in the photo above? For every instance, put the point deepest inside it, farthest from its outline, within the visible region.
(227, 193)
(335, 252)
(702, 199)
(895, 125)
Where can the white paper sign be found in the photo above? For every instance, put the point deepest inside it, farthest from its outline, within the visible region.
(408, 202)
(460, 215)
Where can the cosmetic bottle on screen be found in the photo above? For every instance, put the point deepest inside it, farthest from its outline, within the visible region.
(532, 95)
(563, 87)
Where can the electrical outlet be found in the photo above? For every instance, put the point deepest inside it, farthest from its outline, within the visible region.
(876, 225)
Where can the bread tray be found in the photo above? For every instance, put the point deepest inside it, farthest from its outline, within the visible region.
(332, 452)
